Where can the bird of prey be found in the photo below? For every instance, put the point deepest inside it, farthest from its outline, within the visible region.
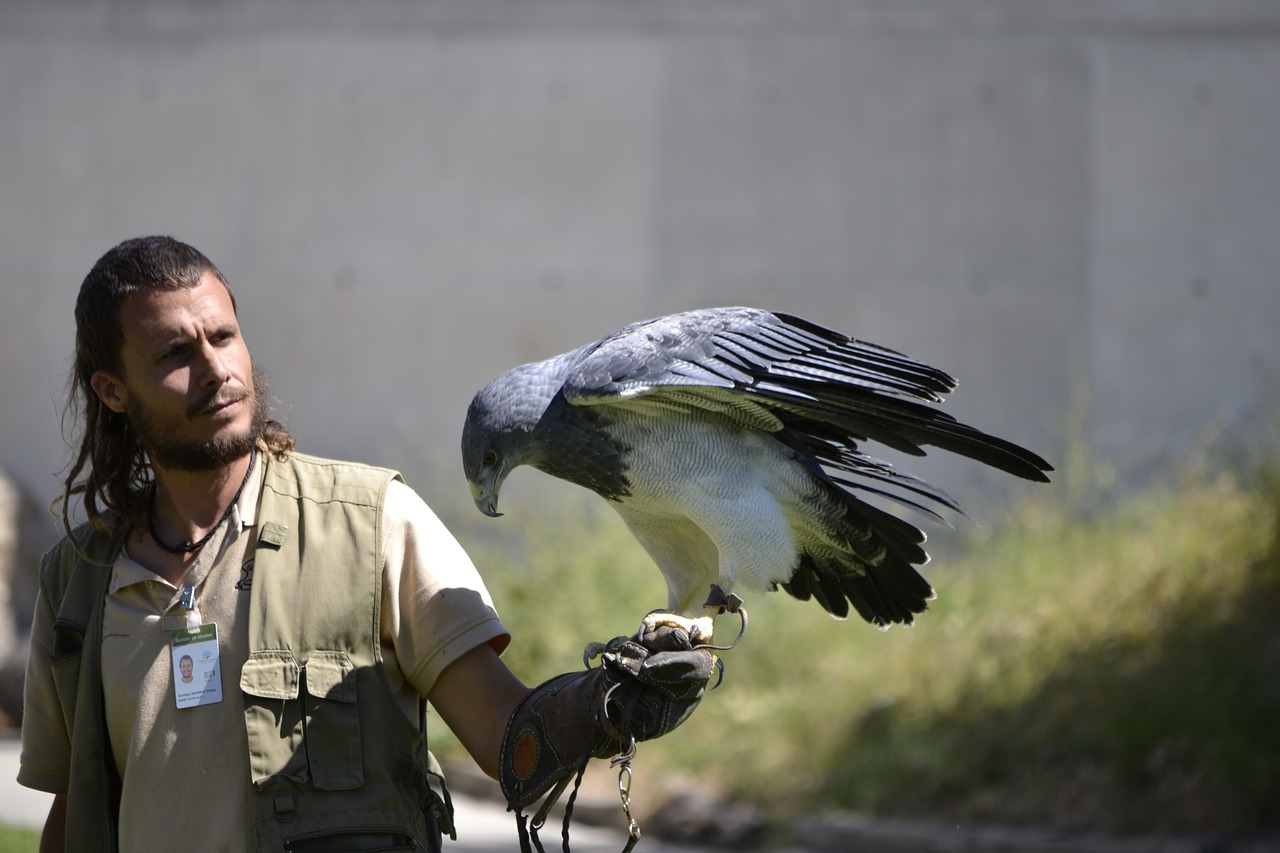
(729, 441)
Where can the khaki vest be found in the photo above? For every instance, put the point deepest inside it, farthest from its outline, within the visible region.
(334, 763)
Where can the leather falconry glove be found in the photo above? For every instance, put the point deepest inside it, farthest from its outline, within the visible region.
(645, 686)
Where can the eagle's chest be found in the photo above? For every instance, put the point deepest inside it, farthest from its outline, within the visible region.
(677, 459)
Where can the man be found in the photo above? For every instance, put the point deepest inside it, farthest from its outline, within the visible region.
(186, 666)
(324, 599)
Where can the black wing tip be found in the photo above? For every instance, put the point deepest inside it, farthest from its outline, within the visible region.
(891, 593)
(1025, 464)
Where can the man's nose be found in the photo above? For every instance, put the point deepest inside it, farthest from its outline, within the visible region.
(214, 366)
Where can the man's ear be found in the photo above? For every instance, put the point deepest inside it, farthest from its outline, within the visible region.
(110, 390)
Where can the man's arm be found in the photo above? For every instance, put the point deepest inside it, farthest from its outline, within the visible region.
(53, 839)
(476, 696)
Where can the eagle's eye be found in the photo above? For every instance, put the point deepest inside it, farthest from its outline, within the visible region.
(489, 459)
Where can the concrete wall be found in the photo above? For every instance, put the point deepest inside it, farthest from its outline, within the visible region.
(409, 198)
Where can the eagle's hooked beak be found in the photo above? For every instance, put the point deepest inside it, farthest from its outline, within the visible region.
(486, 498)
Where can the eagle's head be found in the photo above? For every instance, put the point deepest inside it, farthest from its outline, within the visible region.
(489, 451)
(498, 435)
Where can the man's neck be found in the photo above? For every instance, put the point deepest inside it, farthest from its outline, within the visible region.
(186, 507)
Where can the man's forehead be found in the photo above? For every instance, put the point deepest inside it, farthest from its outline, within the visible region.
(169, 310)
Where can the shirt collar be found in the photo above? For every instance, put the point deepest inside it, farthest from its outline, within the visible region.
(126, 571)
(247, 507)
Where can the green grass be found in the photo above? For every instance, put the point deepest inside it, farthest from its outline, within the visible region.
(15, 840)
(1118, 673)
(1116, 670)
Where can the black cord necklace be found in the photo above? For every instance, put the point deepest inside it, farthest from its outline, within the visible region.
(188, 547)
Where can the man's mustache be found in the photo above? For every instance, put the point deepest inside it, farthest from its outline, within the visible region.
(216, 399)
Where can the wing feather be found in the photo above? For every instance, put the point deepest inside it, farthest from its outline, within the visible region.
(827, 389)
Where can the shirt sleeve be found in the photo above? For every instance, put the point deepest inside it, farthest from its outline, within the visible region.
(45, 763)
(435, 604)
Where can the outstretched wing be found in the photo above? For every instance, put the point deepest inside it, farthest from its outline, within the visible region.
(743, 349)
(778, 372)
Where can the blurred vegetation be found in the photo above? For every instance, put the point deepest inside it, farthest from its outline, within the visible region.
(1092, 661)
(18, 840)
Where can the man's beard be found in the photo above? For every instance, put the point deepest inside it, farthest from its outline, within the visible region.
(166, 450)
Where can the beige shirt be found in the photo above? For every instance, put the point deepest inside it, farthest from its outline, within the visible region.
(186, 771)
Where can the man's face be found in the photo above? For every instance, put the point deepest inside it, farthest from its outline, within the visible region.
(187, 379)
(186, 667)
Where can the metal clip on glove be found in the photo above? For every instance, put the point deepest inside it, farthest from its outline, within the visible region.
(645, 687)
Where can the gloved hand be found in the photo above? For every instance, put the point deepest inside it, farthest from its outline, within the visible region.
(645, 687)
(656, 681)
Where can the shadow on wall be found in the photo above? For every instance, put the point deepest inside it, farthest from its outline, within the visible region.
(26, 531)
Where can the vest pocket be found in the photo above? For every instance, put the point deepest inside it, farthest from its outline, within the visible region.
(270, 682)
(332, 722)
(303, 721)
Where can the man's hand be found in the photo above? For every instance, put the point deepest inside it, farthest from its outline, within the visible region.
(645, 686)
(657, 679)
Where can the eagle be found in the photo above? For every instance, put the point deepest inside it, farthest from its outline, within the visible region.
(730, 441)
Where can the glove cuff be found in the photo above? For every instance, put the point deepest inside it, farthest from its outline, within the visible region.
(552, 733)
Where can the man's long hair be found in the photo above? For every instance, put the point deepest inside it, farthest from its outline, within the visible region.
(111, 458)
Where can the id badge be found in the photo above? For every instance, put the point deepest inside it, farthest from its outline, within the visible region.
(197, 677)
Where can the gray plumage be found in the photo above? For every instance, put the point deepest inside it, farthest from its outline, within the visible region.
(728, 440)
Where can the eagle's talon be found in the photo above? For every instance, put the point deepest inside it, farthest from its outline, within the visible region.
(701, 630)
(698, 630)
(719, 665)
(591, 652)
